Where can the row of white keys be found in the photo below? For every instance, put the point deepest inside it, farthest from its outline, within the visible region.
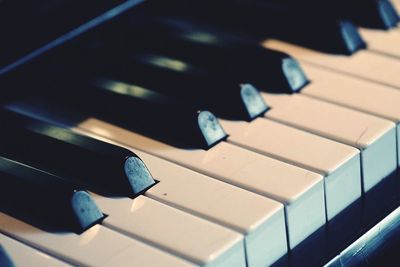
(340, 164)
(363, 64)
(375, 137)
(97, 246)
(19, 255)
(358, 94)
(260, 220)
(301, 191)
(172, 230)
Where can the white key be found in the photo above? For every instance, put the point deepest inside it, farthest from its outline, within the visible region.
(97, 246)
(363, 64)
(251, 171)
(356, 94)
(375, 137)
(257, 218)
(387, 42)
(340, 164)
(192, 238)
(22, 255)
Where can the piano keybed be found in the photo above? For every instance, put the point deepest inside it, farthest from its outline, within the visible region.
(140, 152)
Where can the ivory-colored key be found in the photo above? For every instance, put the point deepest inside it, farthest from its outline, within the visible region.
(20, 255)
(340, 164)
(187, 236)
(97, 246)
(300, 190)
(386, 42)
(376, 99)
(375, 137)
(362, 64)
(260, 220)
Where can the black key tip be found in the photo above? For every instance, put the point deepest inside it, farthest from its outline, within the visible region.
(138, 175)
(210, 128)
(388, 14)
(85, 210)
(294, 74)
(252, 100)
(351, 37)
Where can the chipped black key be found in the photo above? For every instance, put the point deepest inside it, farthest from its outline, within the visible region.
(101, 166)
(45, 200)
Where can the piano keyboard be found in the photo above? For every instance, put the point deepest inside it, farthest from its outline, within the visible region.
(145, 155)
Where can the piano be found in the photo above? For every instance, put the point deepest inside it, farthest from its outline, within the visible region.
(200, 133)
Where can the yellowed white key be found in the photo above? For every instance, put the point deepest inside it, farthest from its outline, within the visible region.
(300, 190)
(354, 93)
(20, 255)
(340, 164)
(363, 64)
(375, 137)
(182, 234)
(97, 246)
(259, 219)
(386, 42)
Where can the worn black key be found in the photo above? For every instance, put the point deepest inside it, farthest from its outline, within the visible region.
(45, 200)
(102, 167)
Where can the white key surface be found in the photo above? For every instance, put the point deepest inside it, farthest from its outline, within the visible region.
(259, 219)
(363, 64)
(386, 42)
(375, 137)
(254, 172)
(97, 246)
(357, 94)
(195, 239)
(340, 164)
(22, 255)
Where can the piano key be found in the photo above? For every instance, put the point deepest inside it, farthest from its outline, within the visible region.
(375, 137)
(98, 246)
(244, 101)
(280, 20)
(20, 255)
(376, 99)
(385, 42)
(224, 162)
(340, 166)
(212, 50)
(187, 236)
(242, 168)
(364, 64)
(260, 220)
(45, 199)
(94, 162)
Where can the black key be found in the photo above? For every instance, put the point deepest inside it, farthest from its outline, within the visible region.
(102, 167)
(45, 200)
(311, 27)
(197, 87)
(235, 56)
(192, 85)
(131, 107)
